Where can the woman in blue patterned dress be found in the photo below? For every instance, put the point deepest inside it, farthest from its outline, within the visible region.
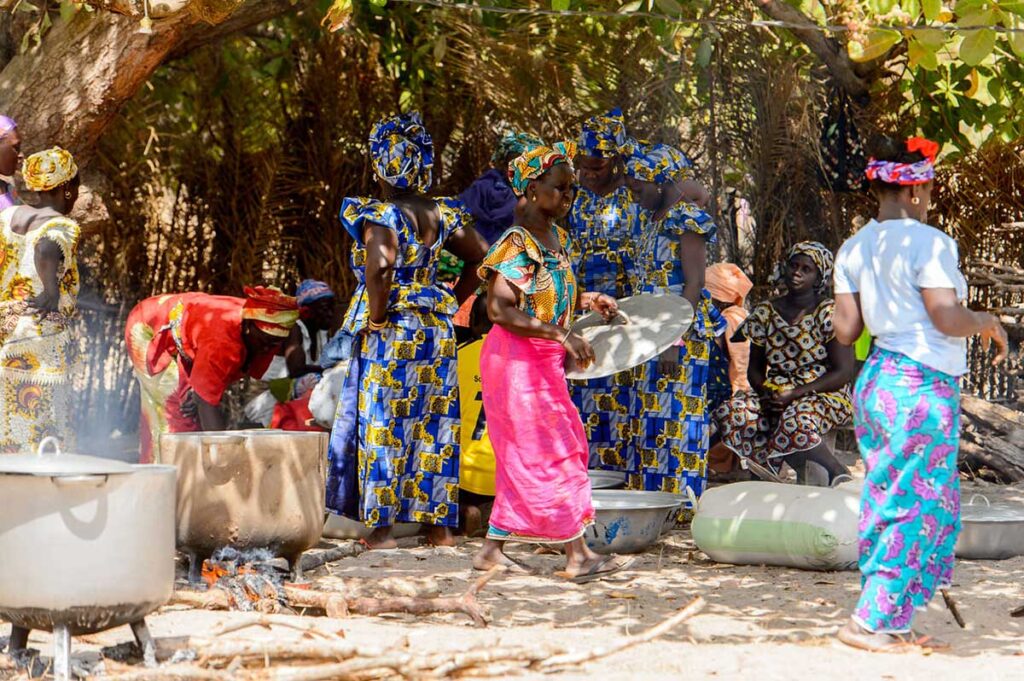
(672, 423)
(394, 451)
(603, 223)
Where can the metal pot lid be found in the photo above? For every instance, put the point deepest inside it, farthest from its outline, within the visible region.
(50, 461)
(646, 326)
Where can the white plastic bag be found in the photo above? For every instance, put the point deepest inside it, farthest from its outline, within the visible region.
(768, 523)
(323, 402)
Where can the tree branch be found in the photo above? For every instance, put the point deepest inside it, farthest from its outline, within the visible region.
(828, 50)
(248, 15)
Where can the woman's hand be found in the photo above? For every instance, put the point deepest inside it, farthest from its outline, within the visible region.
(605, 305)
(46, 302)
(994, 333)
(668, 362)
(579, 349)
(780, 399)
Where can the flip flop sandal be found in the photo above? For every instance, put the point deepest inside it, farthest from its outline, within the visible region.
(600, 569)
(929, 642)
(861, 639)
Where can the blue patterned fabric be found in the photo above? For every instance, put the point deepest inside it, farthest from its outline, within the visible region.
(402, 152)
(398, 452)
(604, 229)
(907, 423)
(604, 136)
(658, 163)
(672, 417)
(415, 284)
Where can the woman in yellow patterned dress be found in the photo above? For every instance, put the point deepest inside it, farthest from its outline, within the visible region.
(38, 296)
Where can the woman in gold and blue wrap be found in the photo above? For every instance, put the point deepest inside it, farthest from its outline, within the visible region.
(603, 222)
(394, 453)
(672, 420)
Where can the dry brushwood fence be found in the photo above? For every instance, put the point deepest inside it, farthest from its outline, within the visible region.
(209, 187)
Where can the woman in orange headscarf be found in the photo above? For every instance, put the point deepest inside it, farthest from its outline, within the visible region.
(729, 286)
(187, 348)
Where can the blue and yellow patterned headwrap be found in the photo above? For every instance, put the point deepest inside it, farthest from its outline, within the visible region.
(658, 163)
(605, 136)
(532, 164)
(514, 144)
(403, 152)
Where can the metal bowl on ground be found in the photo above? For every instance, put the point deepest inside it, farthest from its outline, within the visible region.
(606, 479)
(628, 521)
(248, 489)
(340, 527)
(86, 544)
(990, 531)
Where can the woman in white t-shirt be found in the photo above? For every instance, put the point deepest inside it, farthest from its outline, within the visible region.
(901, 279)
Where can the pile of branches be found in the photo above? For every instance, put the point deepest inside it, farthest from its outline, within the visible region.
(319, 656)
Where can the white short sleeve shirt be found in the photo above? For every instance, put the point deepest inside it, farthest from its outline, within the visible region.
(888, 263)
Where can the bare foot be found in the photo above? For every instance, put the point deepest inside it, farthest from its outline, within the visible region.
(489, 557)
(438, 535)
(380, 538)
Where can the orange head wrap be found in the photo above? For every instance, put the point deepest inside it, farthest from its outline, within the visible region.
(272, 311)
(726, 282)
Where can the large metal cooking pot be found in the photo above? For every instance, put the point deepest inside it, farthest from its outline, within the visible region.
(86, 544)
(628, 521)
(248, 489)
(990, 531)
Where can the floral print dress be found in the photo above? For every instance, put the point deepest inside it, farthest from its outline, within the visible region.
(37, 349)
(797, 354)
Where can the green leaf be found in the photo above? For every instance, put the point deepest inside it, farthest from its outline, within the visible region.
(911, 7)
(881, 6)
(921, 55)
(440, 48)
(1017, 43)
(932, 38)
(631, 7)
(669, 6)
(876, 43)
(704, 52)
(68, 10)
(977, 45)
(979, 17)
(561, 5)
(378, 3)
(931, 9)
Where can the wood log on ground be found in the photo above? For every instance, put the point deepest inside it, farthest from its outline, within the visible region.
(993, 437)
(342, 604)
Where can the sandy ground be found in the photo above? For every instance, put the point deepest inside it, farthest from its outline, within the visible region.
(761, 622)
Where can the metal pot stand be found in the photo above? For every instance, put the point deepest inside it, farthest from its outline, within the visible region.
(62, 645)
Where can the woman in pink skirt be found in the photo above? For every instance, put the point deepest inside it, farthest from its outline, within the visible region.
(542, 487)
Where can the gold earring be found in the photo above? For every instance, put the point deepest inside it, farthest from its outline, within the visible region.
(915, 200)
(534, 199)
(67, 196)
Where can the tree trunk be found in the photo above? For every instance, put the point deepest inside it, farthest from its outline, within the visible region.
(69, 89)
